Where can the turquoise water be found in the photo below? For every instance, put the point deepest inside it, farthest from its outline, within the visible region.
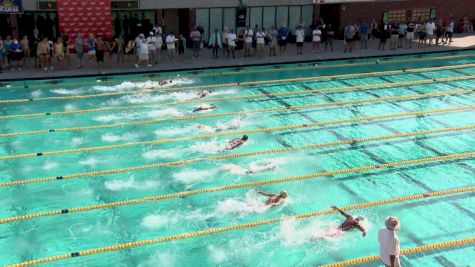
(289, 243)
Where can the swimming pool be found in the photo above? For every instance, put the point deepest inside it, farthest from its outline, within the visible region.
(121, 161)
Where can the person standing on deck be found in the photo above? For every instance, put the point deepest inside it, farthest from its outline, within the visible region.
(389, 242)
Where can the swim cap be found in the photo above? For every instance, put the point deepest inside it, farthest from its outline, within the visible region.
(360, 218)
(392, 222)
(244, 137)
(283, 194)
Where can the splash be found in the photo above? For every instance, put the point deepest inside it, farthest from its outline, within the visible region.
(256, 167)
(161, 259)
(109, 137)
(67, 91)
(176, 131)
(90, 162)
(77, 141)
(49, 165)
(168, 112)
(111, 117)
(190, 176)
(230, 125)
(211, 147)
(234, 169)
(217, 255)
(119, 185)
(69, 107)
(171, 153)
(36, 93)
(252, 203)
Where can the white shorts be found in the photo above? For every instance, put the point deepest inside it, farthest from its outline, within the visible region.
(410, 35)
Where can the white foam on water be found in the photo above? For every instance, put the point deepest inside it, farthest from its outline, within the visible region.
(157, 221)
(190, 176)
(171, 153)
(109, 137)
(176, 131)
(256, 167)
(217, 255)
(115, 117)
(81, 193)
(162, 259)
(49, 165)
(36, 93)
(124, 86)
(233, 169)
(119, 185)
(252, 203)
(168, 112)
(210, 147)
(90, 162)
(67, 91)
(230, 91)
(77, 141)
(69, 107)
(230, 125)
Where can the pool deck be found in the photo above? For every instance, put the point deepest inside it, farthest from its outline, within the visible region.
(460, 41)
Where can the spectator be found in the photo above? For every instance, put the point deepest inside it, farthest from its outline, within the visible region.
(91, 47)
(118, 49)
(272, 38)
(15, 54)
(421, 34)
(349, 34)
(283, 34)
(439, 30)
(316, 39)
(34, 45)
(158, 39)
(67, 58)
(260, 42)
(79, 48)
(201, 29)
(364, 35)
(25, 43)
(402, 34)
(384, 35)
(254, 40)
(329, 35)
(215, 41)
(59, 52)
(449, 30)
(195, 37)
(157, 29)
(129, 49)
(8, 41)
(231, 40)
(181, 46)
(170, 41)
(144, 54)
(300, 37)
(43, 54)
(240, 40)
(152, 50)
(410, 34)
(389, 243)
(248, 34)
(374, 29)
(3, 53)
(394, 35)
(430, 28)
(224, 40)
(101, 48)
(138, 45)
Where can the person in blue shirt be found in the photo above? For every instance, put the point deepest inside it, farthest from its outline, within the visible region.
(283, 33)
(364, 33)
(15, 54)
(215, 42)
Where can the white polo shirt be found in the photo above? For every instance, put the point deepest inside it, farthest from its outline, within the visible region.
(231, 39)
(317, 35)
(300, 35)
(248, 36)
(170, 41)
(260, 38)
(389, 245)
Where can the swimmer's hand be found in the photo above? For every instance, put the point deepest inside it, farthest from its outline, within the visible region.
(364, 233)
(334, 207)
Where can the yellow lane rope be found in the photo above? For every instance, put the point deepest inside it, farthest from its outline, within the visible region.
(266, 110)
(242, 185)
(201, 100)
(203, 136)
(313, 78)
(247, 71)
(245, 226)
(452, 243)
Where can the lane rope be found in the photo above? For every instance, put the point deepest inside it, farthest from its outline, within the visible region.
(203, 100)
(445, 244)
(246, 71)
(274, 81)
(231, 186)
(265, 110)
(245, 226)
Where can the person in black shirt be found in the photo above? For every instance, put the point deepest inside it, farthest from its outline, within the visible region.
(329, 34)
(410, 34)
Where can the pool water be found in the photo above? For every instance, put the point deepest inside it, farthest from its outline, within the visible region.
(291, 242)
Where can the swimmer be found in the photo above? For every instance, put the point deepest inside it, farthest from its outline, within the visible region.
(255, 168)
(165, 82)
(204, 107)
(274, 199)
(203, 93)
(236, 142)
(204, 128)
(350, 222)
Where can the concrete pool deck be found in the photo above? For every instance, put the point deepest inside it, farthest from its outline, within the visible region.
(460, 41)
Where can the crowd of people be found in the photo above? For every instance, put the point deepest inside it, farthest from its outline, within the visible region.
(148, 49)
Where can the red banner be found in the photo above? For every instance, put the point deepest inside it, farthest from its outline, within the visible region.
(85, 16)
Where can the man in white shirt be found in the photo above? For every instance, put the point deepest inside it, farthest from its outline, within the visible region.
(316, 39)
(157, 38)
(231, 38)
(430, 28)
(170, 41)
(248, 34)
(449, 30)
(389, 242)
(260, 42)
(157, 29)
(152, 51)
(300, 34)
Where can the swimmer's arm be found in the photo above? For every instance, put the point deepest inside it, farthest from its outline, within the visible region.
(361, 228)
(341, 212)
(264, 193)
